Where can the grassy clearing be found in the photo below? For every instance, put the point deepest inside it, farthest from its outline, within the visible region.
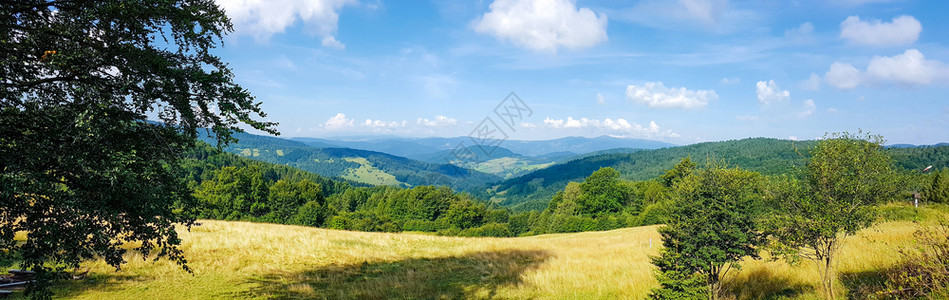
(366, 173)
(250, 260)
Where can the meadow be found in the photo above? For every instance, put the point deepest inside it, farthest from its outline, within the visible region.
(257, 261)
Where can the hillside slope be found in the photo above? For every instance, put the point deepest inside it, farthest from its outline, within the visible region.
(363, 166)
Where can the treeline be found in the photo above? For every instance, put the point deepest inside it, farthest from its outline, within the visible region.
(229, 187)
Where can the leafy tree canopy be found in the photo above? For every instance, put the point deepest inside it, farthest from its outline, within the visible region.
(83, 172)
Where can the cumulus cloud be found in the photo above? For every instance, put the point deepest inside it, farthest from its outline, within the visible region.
(843, 76)
(600, 99)
(809, 108)
(657, 95)
(769, 92)
(380, 124)
(264, 18)
(543, 25)
(909, 69)
(437, 122)
(339, 121)
(528, 125)
(903, 30)
(732, 80)
(619, 125)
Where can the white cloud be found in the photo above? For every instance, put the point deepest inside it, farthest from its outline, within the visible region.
(656, 95)
(909, 69)
(263, 18)
(843, 76)
(812, 83)
(903, 30)
(732, 80)
(331, 42)
(437, 122)
(793, 138)
(339, 121)
(809, 108)
(600, 99)
(543, 25)
(769, 92)
(528, 125)
(380, 124)
(618, 125)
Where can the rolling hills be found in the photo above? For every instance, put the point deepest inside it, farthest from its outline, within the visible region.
(767, 156)
(370, 167)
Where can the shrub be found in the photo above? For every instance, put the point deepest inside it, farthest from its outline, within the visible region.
(490, 230)
(925, 274)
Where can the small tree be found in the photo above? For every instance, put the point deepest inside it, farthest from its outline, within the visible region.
(846, 176)
(712, 227)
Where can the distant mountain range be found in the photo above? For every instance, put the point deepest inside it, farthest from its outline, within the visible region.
(414, 147)
(370, 167)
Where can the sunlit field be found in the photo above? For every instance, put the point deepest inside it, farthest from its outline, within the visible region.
(251, 260)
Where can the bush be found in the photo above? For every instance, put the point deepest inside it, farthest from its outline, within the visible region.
(656, 213)
(925, 274)
(489, 230)
(310, 214)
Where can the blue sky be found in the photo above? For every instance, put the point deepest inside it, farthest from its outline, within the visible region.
(677, 71)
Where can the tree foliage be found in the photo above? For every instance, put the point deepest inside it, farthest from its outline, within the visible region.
(713, 225)
(846, 176)
(83, 171)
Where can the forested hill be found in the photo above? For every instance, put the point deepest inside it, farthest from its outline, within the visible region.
(370, 167)
(764, 155)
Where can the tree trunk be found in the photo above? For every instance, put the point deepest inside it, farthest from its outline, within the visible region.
(827, 278)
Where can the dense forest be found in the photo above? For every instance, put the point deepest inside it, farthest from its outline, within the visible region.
(230, 187)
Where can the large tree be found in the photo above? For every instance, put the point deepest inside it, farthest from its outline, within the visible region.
(712, 227)
(846, 176)
(82, 171)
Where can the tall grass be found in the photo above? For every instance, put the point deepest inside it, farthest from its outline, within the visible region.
(250, 260)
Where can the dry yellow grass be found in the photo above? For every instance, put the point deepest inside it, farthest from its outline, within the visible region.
(250, 260)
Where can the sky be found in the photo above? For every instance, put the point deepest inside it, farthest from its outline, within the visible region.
(682, 71)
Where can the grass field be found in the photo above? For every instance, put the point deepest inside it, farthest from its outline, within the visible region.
(367, 173)
(250, 260)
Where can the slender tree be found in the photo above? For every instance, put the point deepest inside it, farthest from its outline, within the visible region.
(82, 171)
(846, 176)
